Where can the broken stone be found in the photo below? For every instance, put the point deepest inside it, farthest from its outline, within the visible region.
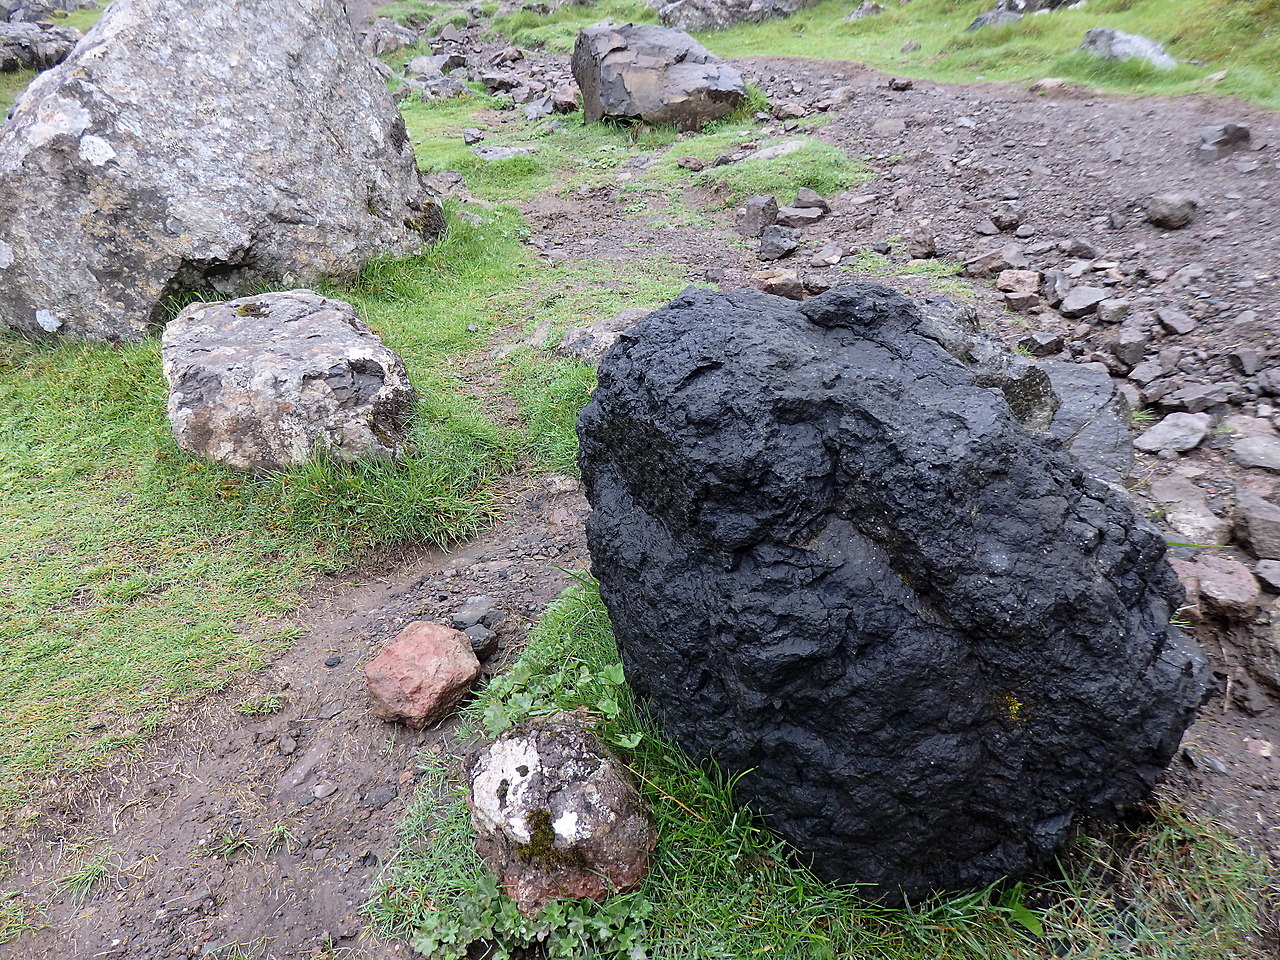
(798, 216)
(1260, 451)
(1018, 281)
(1082, 301)
(1219, 139)
(753, 216)
(1175, 321)
(556, 815)
(265, 382)
(1227, 588)
(1178, 432)
(777, 242)
(653, 74)
(810, 198)
(589, 343)
(1258, 525)
(1112, 310)
(422, 674)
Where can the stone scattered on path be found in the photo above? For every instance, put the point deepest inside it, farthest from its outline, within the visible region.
(757, 213)
(777, 242)
(1227, 588)
(422, 674)
(652, 74)
(1172, 211)
(1178, 432)
(1258, 451)
(124, 182)
(556, 815)
(267, 382)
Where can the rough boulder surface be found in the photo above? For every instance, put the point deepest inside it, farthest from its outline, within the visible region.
(192, 146)
(653, 74)
(264, 382)
(719, 14)
(838, 563)
(33, 46)
(556, 815)
(422, 674)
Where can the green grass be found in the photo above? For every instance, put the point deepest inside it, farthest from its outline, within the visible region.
(721, 886)
(558, 30)
(1239, 36)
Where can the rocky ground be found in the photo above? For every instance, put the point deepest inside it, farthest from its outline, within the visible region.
(270, 833)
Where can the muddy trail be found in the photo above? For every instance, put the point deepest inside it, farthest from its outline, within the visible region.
(268, 835)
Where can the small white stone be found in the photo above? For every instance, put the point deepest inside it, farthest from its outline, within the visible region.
(48, 321)
(95, 150)
(567, 825)
(6, 255)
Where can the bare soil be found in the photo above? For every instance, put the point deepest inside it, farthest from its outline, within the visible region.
(270, 833)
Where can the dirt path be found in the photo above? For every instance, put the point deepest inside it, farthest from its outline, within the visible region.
(270, 833)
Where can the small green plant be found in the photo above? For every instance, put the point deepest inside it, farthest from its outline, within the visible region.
(229, 845)
(260, 706)
(16, 916)
(280, 837)
(80, 883)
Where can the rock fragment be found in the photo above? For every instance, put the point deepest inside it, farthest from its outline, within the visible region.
(422, 674)
(1172, 211)
(1178, 432)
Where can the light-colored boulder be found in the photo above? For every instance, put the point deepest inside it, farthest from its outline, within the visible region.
(557, 816)
(264, 382)
(1108, 44)
(653, 74)
(422, 674)
(188, 146)
(589, 343)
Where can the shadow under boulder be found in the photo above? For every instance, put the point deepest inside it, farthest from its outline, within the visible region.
(840, 562)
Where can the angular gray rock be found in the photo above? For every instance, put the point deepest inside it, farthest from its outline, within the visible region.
(719, 14)
(1108, 44)
(837, 563)
(753, 216)
(994, 18)
(1082, 301)
(123, 182)
(385, 36)
(1178, 432)
(588, 343)
(1263, 452)
(265, 382)
(653, 74)
(777, 242)
(1258, 525)
(32, 46)
(556, 815)
(1220, 139)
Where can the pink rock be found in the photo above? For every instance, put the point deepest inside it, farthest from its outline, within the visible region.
(1227, 587)
(422, 674)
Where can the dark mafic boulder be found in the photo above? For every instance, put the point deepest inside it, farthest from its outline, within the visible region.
(557, 816)
(154, 162)
(639, 71)
(838, 563)
(34, 46)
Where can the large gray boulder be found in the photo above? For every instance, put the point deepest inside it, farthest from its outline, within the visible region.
(719, 14)
(266, 382)
(34, 46)
(639, 71)
(839, 562)
(155, 162)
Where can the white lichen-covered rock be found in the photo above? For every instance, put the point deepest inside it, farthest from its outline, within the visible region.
(188, 146)
(556, 815)
(1108, 44)
(264, 382)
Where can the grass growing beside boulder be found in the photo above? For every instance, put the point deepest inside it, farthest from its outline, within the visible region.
(722, 887)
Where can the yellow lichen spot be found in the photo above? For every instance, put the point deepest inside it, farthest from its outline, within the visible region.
(1009, 707)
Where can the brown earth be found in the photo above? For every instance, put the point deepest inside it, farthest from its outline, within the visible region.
(271, 833)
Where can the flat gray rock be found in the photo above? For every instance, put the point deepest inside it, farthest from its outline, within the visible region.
(1179, 432)
(265, 382)
(1261, 452)
(154, 163)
